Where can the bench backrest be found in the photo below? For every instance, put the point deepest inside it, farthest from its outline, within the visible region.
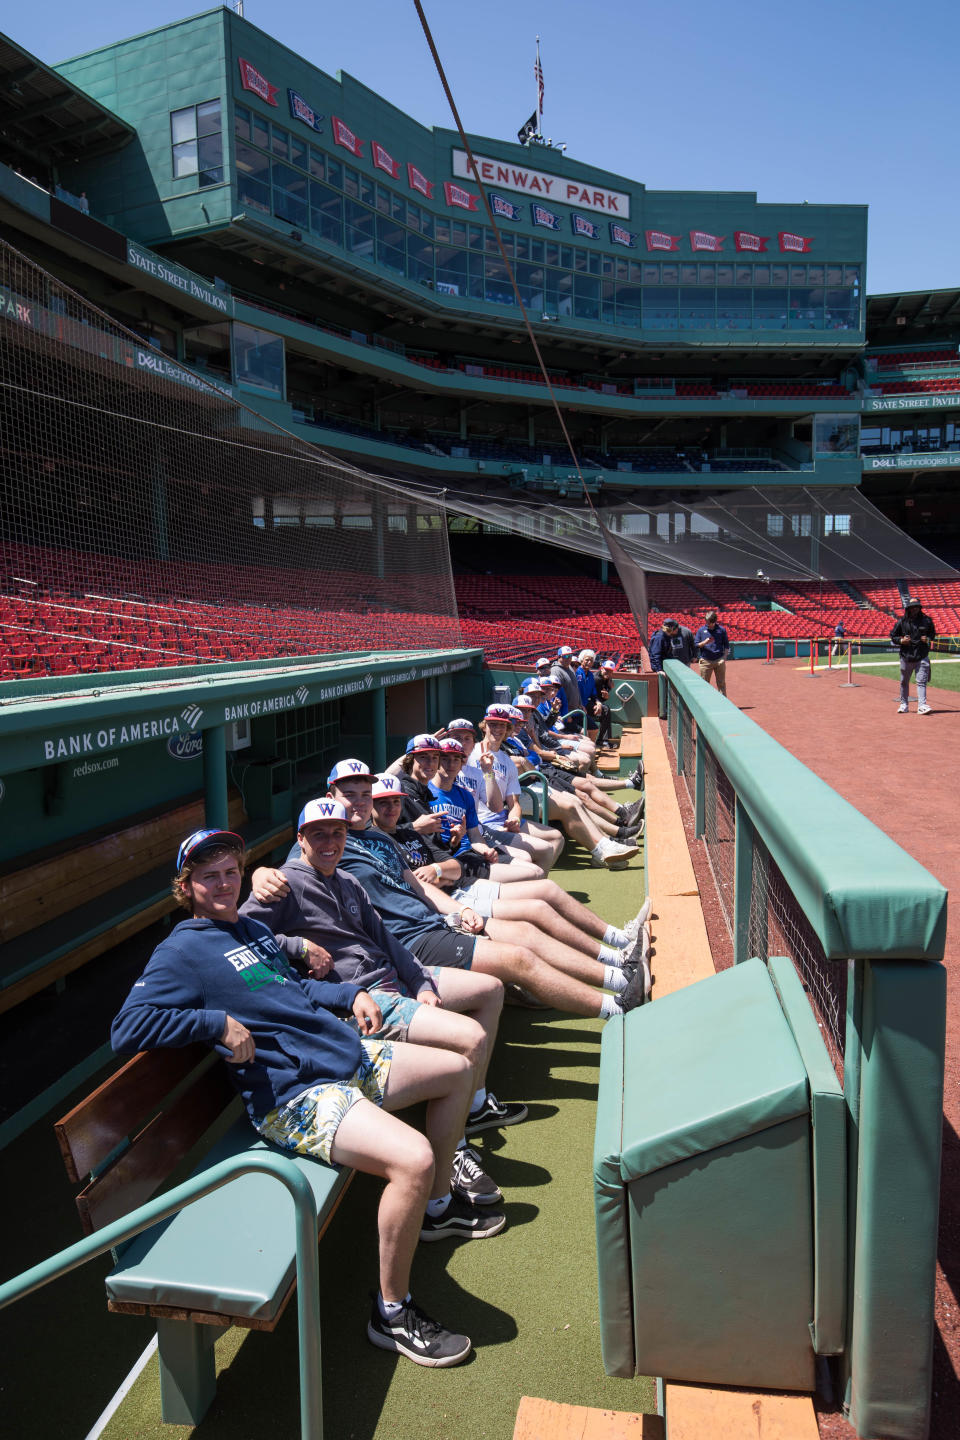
(50, 888)
(125, 1139)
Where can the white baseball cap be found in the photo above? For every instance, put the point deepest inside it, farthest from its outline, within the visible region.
(385, 787)
(324, 808)
(349, 770)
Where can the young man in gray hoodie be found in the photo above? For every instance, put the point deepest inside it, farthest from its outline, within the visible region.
(327, 927)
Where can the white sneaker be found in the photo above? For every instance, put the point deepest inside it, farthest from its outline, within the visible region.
(639, 922)
(902, 708)
(607, 853)
(923, 709)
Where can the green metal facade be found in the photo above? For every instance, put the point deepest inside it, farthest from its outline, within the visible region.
(218, 55)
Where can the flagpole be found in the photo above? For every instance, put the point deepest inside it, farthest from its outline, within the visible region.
(537, 72)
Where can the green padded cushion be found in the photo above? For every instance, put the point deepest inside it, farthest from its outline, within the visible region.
(829, 1124)
(705, 1066)
(234, 1252)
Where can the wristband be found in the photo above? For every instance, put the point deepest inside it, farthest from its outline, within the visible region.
(438, 872)
(304, 952)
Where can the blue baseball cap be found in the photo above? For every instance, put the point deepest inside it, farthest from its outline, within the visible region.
(202, 840)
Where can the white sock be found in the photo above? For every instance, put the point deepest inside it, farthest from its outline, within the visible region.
(438, 1207)
(609, 1005)
(477, 1102)
(613, 936)
(390, 1309)
(614, 979)
(610, 955)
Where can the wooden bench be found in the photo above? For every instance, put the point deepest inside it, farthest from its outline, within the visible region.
(228, 1259)
(61, 912)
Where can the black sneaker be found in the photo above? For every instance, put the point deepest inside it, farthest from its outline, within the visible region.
(470, 1182)
(630, 814)
(492, 1114)
(636, 779)
(414, 1334)
(639, 986)
(516, 995)
(462, 1221)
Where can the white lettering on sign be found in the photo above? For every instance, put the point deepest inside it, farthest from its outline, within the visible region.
(87, 742)
(913, 402)
(170, 275)
(535, 182)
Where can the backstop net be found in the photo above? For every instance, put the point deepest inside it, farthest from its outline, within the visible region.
(151, 518)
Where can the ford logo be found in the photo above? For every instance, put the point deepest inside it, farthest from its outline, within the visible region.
(186, 747)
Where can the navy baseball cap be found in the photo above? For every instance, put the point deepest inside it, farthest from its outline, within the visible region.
(202, 840)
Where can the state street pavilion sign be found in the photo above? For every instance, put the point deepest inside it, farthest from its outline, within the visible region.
(541, 186)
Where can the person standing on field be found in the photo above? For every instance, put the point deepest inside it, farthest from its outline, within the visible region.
(915, 634)
(713, 642)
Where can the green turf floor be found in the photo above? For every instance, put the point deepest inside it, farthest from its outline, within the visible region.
(944, 674)
(528, 1297)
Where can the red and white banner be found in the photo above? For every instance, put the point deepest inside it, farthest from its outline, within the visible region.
(660, 240)
(384, 161)
(344, 136)
(251, 79)
(744, 240)
(796, 243)
(418, 181)
(462, 199)
(700, 240)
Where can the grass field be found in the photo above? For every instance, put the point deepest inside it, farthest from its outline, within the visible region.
(944, 670)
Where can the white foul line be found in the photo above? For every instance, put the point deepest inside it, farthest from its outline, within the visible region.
(101, 1424)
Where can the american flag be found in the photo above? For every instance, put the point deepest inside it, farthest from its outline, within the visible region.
(538, 74)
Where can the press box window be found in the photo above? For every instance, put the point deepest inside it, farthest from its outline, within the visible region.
(197, 144)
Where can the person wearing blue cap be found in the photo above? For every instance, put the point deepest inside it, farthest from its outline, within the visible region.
(310, 1083)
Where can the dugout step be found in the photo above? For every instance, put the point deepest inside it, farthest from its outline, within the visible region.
(718, 1205)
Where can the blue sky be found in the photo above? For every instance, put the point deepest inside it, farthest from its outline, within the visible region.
(819, 102)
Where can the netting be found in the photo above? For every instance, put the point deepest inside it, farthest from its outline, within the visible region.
(776, 923)
(778, 531)
(778, 926)
(151, 518)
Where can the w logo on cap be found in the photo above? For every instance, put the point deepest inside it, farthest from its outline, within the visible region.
(326, 809)
(357, 767)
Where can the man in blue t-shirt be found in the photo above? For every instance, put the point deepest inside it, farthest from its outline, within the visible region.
(713, 642)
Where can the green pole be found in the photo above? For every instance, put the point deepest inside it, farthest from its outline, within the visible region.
(378, 700)
(216, 811)
(903, 1038)
(742, 884)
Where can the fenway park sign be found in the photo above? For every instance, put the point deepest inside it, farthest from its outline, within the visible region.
(541, 186)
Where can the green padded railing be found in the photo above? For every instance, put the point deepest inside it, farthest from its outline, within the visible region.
(308, 1263)
(802, 873)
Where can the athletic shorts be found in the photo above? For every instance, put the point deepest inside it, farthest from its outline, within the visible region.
(480, 896)
(507, 837)
(397, 1006)
(308, 1124)
(446, 949)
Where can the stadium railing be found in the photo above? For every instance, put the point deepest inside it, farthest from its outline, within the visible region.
(801, 873)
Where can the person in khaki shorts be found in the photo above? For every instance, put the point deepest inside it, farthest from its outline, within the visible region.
(713, 643)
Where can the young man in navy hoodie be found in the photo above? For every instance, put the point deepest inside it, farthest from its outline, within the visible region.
(310, 1083)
